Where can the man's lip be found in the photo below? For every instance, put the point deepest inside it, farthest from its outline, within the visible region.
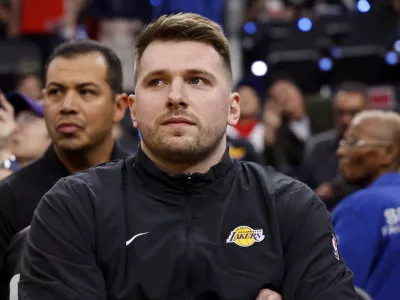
(68, 127)
(177, 120)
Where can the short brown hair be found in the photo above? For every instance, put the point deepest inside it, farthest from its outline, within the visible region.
(184, 27)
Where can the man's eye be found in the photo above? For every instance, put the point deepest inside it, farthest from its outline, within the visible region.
(54, 92)
(197, 80)
(156, 82)
(87, 92)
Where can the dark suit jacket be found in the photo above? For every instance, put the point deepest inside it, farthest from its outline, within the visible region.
(287, 154)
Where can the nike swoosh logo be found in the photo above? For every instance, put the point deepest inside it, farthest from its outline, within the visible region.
(134, 237)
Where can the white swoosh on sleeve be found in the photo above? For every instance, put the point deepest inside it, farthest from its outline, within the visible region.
(134, 237)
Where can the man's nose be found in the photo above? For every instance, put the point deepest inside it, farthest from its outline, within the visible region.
(177, 95)
(69, 103)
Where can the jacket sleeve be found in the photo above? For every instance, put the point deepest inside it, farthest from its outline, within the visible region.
(7, 218)
(60, 261)
(314, 270)
(351, 230)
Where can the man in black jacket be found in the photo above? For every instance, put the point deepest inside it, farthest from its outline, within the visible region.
(181, 219)
(82, 100)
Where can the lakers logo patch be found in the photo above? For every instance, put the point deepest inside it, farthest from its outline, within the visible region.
(245, 236)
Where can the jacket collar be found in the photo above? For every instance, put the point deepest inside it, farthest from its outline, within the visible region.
(391, 178)
(50, 157)
(146, 168)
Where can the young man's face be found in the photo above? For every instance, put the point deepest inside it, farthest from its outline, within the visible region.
(183, 100)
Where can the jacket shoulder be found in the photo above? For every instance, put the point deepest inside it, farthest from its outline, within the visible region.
(276, 183)
(24, 175)
(101, 174)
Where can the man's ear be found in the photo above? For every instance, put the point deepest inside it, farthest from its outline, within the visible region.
(120, 105)
(132, 107)
(234, 109)
(390, 155)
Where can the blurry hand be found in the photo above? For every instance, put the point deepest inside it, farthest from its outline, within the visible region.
(267, 294)
(325, 191)
(272, 115)
(13, 30)
(272, 119)
(7, 122)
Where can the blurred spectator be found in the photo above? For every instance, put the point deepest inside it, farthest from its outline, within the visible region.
(44, 23)
(82, 100)
(30, 85)
(249, 127)
(7, 127)
(367, 223)
(4, 17)
(30, 138)
(242, 150)
(212, 9)
(287, 126)
(320, 165)
(119, 22)
(265, 10)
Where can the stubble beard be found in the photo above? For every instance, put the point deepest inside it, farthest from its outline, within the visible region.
(181, 149)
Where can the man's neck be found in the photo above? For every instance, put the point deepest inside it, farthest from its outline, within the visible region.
(24, 162)
(380, 173)
(79, 160)
(173, 168)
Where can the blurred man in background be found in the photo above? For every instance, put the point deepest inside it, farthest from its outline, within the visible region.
(30, 138)
(7, 127)
(320, 166)
(45, 23)
(119, 23)
(24, 137)
(367, 223)
(30, 85)
(287, 126)
(249, 127)
(83, 98)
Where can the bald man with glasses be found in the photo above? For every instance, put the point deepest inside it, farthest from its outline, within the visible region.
(367, 223)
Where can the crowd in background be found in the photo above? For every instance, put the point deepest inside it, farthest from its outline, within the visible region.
(282, 124)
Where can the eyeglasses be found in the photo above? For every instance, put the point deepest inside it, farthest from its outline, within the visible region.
(351, 143)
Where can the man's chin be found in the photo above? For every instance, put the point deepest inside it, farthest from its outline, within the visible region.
(71, 144)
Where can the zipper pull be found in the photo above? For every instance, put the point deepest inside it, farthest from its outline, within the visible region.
(189, 178)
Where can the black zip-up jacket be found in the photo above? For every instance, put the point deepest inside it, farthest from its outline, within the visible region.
(127, 230)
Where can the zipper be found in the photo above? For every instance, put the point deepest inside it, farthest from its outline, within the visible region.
(189, 233)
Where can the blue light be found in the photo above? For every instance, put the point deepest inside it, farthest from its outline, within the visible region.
(325, 64)
(392, 58)
(363, 6)
(250, 28)
(397, 46)
(155, 2)
(337, 52)
(304, 24)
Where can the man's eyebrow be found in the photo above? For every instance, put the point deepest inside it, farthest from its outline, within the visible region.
(161, 72)
(155, 73)
(80, 85)
(87, 84)
(201, 72)
(59, 85)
